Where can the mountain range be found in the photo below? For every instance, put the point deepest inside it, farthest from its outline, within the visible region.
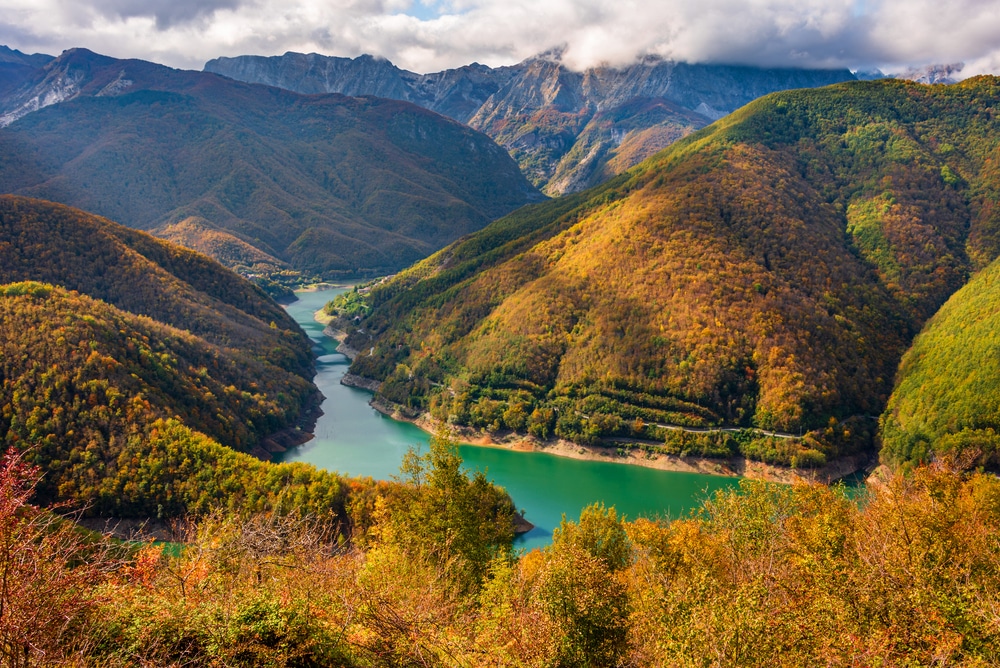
(567, 130)
(768, 271)
(16, 68)
(264, 179)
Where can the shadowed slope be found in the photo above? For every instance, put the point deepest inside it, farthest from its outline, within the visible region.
(330, 185)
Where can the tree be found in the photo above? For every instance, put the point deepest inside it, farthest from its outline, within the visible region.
(48, 574)
(582, 591)
(440, 510)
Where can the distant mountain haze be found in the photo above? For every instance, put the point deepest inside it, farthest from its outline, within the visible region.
(458, 93)
(35, 60)
(328, 185)
(567, 130)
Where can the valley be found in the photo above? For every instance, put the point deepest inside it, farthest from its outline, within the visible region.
(354, 439)
(593, 427)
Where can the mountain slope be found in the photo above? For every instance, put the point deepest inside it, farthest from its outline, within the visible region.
(768, 271)
(619, 138)
(125, 361)
(193, 231)
(82, 381)
(330, 185)
(16, 69)
(540, 115)
(567, 130)
(946, 403)
(49, 243)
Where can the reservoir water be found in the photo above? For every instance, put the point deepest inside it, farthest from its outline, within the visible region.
(355, 439)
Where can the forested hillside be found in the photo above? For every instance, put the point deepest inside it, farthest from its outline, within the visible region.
(125, 415)
(128, 363)
(50, 243)
(768, 271)
(946, 403)
(330, 185)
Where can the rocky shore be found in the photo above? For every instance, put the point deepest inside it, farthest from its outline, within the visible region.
(736, 466)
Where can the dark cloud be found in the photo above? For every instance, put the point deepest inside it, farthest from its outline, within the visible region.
(166, 13)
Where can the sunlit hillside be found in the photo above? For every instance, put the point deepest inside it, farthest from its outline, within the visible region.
(768, 271)
(947, 401)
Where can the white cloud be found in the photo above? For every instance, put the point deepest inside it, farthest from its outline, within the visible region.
(831, 33)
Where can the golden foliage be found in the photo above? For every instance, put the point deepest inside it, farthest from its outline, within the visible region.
(768, 271)
(767, 576)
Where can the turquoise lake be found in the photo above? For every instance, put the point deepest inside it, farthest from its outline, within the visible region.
(355, 439)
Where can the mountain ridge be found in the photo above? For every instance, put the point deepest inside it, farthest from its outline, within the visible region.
(16, 68)
(113, 339)
(331, 185)
(539, 110)
(145, 276)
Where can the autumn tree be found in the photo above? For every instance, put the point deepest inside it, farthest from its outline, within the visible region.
(48, 573)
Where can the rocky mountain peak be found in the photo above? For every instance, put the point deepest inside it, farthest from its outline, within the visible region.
(939, 73)
(15, 57)
(540, 110)
(78, 72)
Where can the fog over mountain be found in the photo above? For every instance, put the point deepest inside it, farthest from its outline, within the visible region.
(433, 35)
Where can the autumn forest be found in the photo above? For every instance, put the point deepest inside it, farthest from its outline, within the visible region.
(810, 283)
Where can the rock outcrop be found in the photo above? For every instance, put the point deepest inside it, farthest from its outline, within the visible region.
(567, 130)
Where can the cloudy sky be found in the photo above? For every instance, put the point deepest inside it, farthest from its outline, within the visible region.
(429, 35)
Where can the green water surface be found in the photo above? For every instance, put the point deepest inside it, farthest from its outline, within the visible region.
(355, 439)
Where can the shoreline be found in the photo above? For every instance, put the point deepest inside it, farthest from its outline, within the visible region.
(340, 336)
(297, 433)
(316, 287)
(732, 468)
(735, 467)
